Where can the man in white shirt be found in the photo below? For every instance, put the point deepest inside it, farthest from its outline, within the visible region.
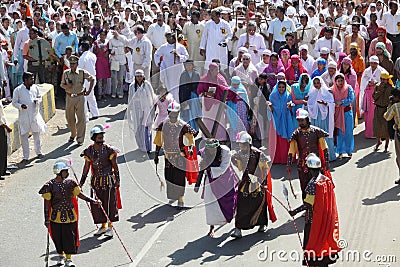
(278, 29)
(193, 30)
(391, 20)
(255, 44)
(142, 50)
(156, 34)
(22, 37)
(26, 99)
(306, 60)
(213, 43)
(332, 43)
(87, 61)
(170, 57)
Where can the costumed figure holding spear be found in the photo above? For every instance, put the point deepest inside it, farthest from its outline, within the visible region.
(101, 158)
(61, 212)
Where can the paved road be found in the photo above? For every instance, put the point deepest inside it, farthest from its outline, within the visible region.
(156, 234)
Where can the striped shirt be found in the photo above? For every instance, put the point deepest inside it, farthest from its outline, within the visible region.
(393, 112)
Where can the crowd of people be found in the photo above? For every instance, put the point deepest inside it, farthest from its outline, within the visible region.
(275, 80)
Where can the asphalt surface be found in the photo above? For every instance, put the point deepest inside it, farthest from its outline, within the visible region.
(156, 234)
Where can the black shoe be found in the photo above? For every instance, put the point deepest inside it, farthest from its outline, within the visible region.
(7, 173)
(397, 182)
(2, 178)
(93, 118)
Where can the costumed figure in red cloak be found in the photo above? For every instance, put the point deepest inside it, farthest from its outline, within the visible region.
(253, 202)
(101, 158)
(61, 212)
(321, 229)
(306, 139)
(180, 159)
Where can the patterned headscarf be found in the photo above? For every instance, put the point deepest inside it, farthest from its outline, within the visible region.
(383, 47)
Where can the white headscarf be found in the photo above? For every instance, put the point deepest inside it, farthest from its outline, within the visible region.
(313, 106)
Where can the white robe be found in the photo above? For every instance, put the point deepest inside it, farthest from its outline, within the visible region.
(170, 71)
(367, 76)
(140, 111)
(214, 215)
(30, 119)
(213, 35)
(255, 41)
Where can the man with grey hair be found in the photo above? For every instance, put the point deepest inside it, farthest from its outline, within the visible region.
(253, 41)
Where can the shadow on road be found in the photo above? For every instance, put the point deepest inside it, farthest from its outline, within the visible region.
(90, 243)
(371, 158)
(155, 214)
(135, 155)
(392, 194)
(61, 151)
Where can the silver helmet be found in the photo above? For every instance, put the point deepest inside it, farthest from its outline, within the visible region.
(313, 162)
(97, 129)
(60, 166)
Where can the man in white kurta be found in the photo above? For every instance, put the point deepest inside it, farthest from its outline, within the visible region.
(87, 61)
(307, 35)
(26, 99)
(142, 50)
(193, 30)
(214, 40)
(256, 44)
(140, 112)
(332, 43)
(170, 57)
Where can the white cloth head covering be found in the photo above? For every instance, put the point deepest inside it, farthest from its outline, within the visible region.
(314, 107)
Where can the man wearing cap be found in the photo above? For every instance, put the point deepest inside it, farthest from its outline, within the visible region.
(170, 135)
(193, 30)
(140, 111)
(391, 20)
(253, 41)
(306, 60)
(237, 60)
(393, 112)
(87, 61)
(237, 32)
(329, 76)
(217, 33)
(101, 159)
(306, 139)
(142, 50)
(307, 34)
(332, 43)
(170, 57)
(260, 66)
(61, 212)
(370, 78)
(73, 82)
(246, 70)
(156, 34)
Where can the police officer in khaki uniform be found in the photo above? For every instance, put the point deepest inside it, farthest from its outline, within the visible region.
(72, 82)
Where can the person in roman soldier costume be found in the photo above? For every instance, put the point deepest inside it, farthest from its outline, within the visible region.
(321, 229)
(61, 212)
(306, 139)
(254, 200)
(179, 157)
(101, 158)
